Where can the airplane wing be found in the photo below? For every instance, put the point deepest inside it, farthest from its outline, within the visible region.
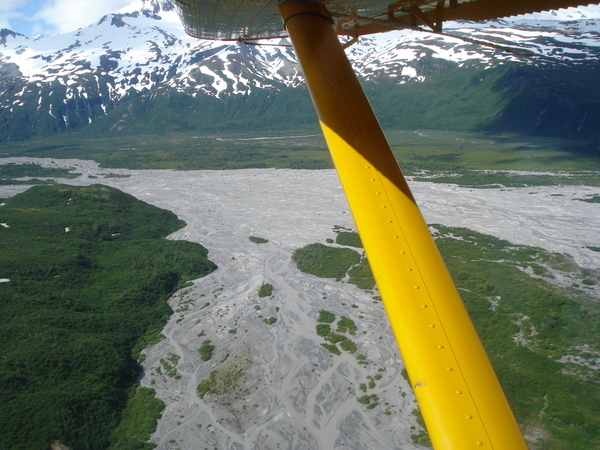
(256, 19)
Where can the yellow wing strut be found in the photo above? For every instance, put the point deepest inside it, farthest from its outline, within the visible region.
(460, 398)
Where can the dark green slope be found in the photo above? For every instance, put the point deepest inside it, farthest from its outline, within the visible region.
(461, 99)
(44, 108)
(554, 101)
(532, 97)
(558, 102)
(170, 111)
(90, 273)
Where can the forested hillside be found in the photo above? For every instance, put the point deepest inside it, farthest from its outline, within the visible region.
(86, 274)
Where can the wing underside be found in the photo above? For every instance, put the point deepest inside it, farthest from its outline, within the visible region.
(256, 19)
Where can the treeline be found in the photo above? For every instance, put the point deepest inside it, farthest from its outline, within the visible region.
(86, 273)
(502, 179)
(33, 170)
(9, 174)
(184, 151)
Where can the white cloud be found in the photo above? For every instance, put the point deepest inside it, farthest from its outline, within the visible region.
(11, 5)
(66, 15)
(9, 12)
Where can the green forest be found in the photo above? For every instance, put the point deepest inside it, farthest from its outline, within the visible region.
(415, 150)
(509, 292)
(86, 273)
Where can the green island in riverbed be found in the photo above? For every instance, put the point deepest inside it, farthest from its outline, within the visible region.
(542, 339)
(10, 174)
(86, 275)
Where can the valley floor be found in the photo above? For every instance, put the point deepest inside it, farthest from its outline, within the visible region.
(283, 389)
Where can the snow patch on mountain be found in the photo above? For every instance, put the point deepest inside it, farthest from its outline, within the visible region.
(144, 45)
(144, 48)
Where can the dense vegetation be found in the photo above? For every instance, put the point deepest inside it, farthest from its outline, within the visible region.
(89, 273)
(138, 421)
(529, 100)
(552, 323)
(500, 179)
(10, 172)
(305, 149)
(258, 240)
(530, 328)
(185, 151)
(325, 261)
(453, 151)
(592, 199)
(265, 290)
(334, 262)
(348, 238)
(345, 325)
(361, 275)
(206, 350)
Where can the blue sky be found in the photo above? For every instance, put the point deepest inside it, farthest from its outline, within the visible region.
(33, 17)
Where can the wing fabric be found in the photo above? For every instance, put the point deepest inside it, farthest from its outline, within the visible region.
(256, 19)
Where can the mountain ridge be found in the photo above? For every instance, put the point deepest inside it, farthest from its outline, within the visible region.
(95, 79)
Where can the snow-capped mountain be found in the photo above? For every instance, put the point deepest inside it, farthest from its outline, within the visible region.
(69, 81)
